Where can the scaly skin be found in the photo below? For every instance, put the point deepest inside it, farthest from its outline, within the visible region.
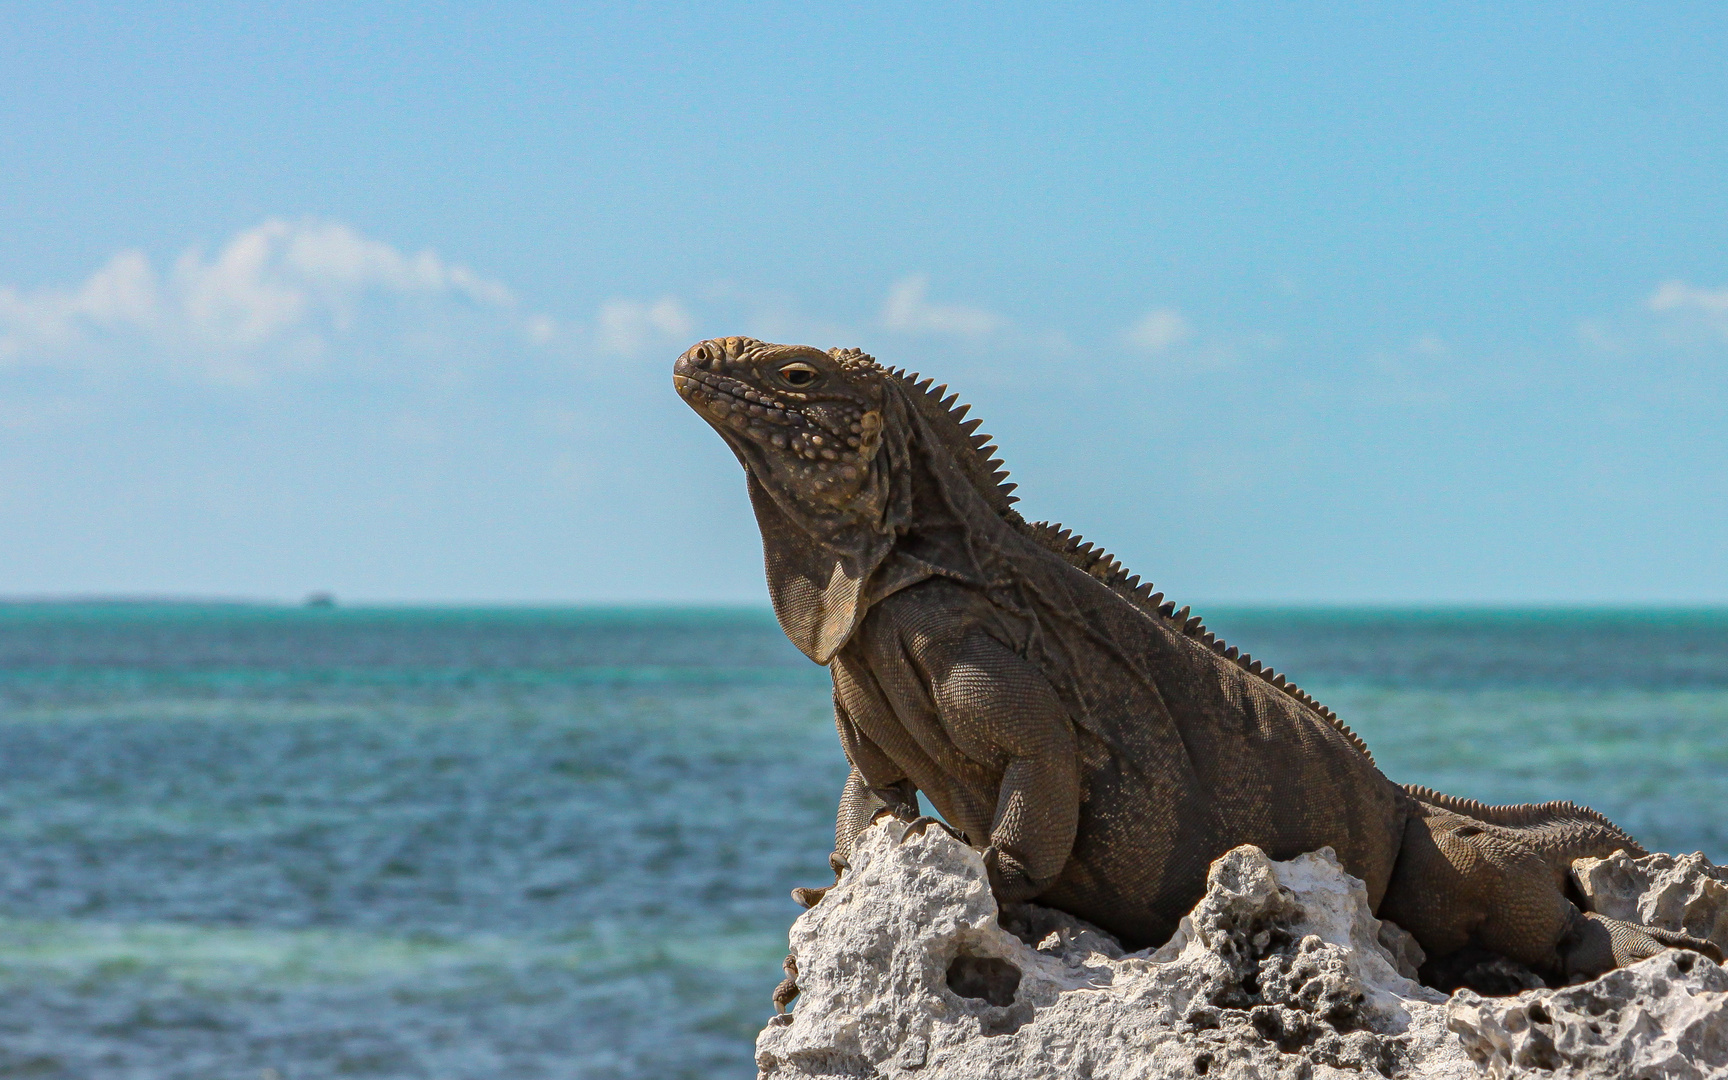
(1103, 746)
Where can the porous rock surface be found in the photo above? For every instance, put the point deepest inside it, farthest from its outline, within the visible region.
(1675, 892)
(906, 970)
(1663, 1019)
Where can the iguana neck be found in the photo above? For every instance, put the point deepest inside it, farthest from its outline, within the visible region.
(819, 564)
(951, 530)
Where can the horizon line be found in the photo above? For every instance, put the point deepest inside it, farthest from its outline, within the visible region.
(329, 601)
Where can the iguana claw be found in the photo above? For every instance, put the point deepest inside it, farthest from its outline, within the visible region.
(916, 827)
(809, 898)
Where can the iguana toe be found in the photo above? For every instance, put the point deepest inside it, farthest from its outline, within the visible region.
(1709, 949)
(788, 988)
(809, 898)
(917, 826)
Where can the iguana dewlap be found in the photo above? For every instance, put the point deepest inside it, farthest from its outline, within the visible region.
(1102, 746)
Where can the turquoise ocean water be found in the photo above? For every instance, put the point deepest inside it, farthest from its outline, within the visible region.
(275, 844)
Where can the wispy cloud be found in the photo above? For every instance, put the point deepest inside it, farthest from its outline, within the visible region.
(276, 298)
(909, 310)
(632, 328)
(1431, 346)
(1167, 339)
(1158, 331)
(1676, 318)
(1705, 309)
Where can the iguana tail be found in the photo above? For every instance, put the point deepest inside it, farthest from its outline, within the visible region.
(1561, 831)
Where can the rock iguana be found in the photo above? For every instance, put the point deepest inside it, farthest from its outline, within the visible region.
(1102, 744)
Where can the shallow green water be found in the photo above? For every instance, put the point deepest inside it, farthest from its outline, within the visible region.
(558, 843)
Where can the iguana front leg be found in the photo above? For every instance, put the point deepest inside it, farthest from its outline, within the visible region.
(1006, 764)
(1003, 715)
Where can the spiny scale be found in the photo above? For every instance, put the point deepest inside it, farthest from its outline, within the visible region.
(1516, 815)
(1090, 558)
(992, 477)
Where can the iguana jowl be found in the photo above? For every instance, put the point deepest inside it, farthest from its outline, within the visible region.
(1104, 745)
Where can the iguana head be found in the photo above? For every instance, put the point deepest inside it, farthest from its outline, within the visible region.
(807, 424)
(810, 429)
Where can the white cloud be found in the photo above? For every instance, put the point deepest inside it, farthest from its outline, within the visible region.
(1677, 319)
(123, 291)
(631, 327)
(909, 310)
(1158, 331)
(278, 297)
(1679, 300)
(1165, 335)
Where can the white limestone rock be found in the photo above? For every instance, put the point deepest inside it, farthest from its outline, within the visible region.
(1665, 1018)
(905, 970)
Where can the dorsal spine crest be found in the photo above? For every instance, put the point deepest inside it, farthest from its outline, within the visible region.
(976, 453)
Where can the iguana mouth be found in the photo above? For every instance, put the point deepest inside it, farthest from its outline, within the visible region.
(833, 441)
(730, 400)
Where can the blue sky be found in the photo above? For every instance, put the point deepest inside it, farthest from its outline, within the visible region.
(1367, 303)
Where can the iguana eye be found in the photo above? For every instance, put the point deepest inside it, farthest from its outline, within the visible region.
(799, 374)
